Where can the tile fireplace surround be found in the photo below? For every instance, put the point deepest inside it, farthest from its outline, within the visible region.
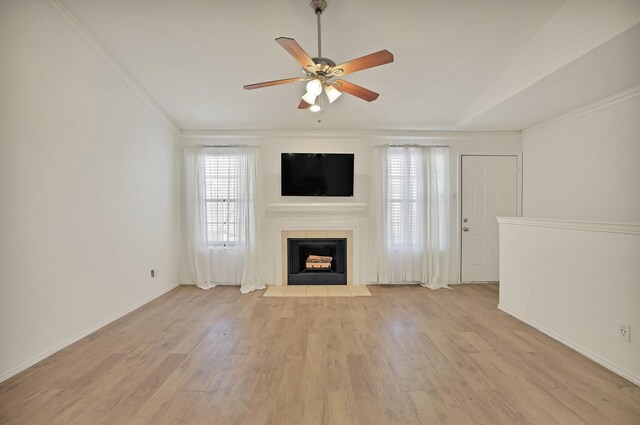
(317, 220)
(318, 234)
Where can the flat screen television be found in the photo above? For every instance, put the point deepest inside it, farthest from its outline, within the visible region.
(317, 174)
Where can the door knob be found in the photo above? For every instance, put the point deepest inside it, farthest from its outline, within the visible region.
(465, 229)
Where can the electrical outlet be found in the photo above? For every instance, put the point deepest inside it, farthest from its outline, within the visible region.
(624, 332)
(153, 273)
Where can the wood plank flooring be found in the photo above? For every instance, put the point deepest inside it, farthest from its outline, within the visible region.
(317, 291)
(406, 355)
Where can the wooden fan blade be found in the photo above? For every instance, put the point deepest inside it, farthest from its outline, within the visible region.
(365, 62)
(298, 53)
(272, 83)
(304, 105)
(355, 90)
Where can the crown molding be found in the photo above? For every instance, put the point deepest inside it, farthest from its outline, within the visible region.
(620, 97)
(416, 135)
(77, 27)
(589, 226)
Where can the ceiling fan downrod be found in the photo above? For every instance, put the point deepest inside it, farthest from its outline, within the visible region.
(323, 64)
(318, 7)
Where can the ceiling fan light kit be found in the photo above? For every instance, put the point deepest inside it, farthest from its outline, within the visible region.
(314, 87)
(332, 93)
(309, 98)
(320, 72)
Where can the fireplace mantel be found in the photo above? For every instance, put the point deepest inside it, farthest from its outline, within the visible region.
(317, 207)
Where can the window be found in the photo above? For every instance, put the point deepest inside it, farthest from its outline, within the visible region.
(402, 178)
(221, 229)
(407, 174)
(411, 212)
(221, 184)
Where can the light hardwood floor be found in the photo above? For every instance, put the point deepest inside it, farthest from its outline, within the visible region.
(317, 291)
(406, 355)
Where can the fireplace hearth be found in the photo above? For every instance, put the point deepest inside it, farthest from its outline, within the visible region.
(317, 261)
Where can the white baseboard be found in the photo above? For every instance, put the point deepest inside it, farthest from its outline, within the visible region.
(70, 341)
(588, 354)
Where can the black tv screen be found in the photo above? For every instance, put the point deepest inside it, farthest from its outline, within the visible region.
(317, 174)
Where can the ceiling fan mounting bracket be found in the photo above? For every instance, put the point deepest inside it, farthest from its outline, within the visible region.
(318, 6)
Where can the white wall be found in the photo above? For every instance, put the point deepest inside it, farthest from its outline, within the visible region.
(577, 282)
(87, 187)
(585, 167)
(570, 267)
(362, 145)
(577, 28)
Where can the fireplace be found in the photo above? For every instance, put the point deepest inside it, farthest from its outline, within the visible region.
(317, 261)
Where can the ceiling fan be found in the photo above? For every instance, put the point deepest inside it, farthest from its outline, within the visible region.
(320, 72)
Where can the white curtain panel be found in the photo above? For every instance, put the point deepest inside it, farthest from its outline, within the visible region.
(221, 216)
(411, 215)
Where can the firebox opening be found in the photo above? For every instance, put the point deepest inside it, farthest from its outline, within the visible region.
(317, 261)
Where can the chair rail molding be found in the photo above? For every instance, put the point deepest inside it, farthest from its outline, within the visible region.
(575, 281)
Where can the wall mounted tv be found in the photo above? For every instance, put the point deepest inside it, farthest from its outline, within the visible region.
(317, 174)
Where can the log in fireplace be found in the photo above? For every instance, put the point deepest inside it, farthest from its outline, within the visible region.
(320, 261)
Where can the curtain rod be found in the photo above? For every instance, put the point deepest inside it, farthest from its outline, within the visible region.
(410, 145)
(244, 145)
(394, 145)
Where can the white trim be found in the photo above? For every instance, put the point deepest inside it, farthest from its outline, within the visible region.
(87, 332)
(589, 226)
(584, 110)
(458, 221)
(77, 27)
(588, 354)
(317, 207)
(425, 135)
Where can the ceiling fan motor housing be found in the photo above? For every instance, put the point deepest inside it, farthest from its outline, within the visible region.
(323, 63)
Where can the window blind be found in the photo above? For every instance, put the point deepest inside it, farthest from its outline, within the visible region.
(221, 173)
(402, 175)
(405, 177)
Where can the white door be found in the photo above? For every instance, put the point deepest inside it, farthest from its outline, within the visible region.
(489, 190)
